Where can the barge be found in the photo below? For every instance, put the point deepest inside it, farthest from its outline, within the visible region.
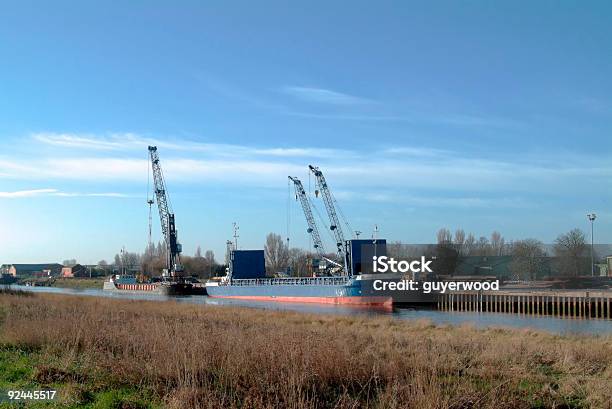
(129, 284)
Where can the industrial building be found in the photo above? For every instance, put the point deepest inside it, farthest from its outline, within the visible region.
(76, 270)
(33, 270)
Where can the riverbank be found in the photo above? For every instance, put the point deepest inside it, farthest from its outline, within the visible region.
(168, 354)
(75, 283)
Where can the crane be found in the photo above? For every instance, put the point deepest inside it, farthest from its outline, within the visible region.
(331, 212)
(312, 226)
(173, 247)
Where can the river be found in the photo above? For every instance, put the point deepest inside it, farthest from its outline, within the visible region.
(564, 326)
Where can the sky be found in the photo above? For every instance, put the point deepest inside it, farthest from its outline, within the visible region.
(476, 115)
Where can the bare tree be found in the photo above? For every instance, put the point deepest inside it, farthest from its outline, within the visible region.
(459, 241)
(277, 254)
(160, 251)
(527, 259)
(394, 249)
(198, 252)
(69, 263)
(570, 249)
(470, 245)
(483, 248)
(444, 236)
(209, 255)
(497, 243)
(131, 260)
(299, 261)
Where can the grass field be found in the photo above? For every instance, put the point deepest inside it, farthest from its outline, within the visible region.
(104, 353)
(79, 283)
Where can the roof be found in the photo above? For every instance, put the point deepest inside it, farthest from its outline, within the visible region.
(24, 268)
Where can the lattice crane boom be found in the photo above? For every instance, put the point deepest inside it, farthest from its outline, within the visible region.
(310, 220)
(328, 199)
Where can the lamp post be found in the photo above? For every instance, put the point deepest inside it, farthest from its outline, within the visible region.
(592, 217)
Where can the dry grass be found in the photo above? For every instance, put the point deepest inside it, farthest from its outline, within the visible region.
(191, 356)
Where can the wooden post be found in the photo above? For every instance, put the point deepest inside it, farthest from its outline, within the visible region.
(587, 310)
(563, 306)
(529, 304)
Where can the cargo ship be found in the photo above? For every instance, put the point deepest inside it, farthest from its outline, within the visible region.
(323, 290)
(246, 279)
(129, 284)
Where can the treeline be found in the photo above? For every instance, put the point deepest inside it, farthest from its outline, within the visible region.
(530, 258)
(469, 245)
(152, 262)
(280, 258)
(569, 255)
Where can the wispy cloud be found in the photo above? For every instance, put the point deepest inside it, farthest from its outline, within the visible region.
(416, 151)
(352, 107)
(465, 120)
(55, 192)
(113, 141)
(132, 141)
(363, 117)
(324, 96)
(392, 168)
(27, 193)
(103, 194)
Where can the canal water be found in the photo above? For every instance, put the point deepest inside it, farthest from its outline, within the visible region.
(564, 326)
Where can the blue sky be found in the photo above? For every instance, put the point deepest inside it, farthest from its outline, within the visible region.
(480, 115)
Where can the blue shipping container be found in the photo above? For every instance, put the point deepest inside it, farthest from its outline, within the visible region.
(361, 253)
(248, 264)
